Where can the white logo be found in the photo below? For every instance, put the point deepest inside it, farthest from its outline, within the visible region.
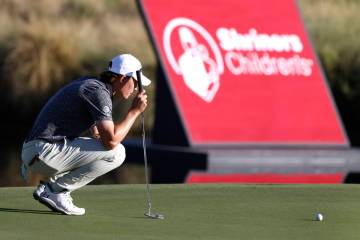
(201, 63)
(199, 71)
(106, 109)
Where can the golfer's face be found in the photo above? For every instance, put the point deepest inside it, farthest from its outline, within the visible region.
(128, 87)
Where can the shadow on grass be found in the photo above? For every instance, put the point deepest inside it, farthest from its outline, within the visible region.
(145, 217)
(15, 210)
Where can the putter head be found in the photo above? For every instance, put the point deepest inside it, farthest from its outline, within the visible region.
(154, 215)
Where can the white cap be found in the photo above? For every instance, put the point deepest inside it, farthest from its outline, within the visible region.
(127, 65)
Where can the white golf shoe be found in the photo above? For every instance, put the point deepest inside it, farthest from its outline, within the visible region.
(40, 188)
(58, 202)
(36, 194)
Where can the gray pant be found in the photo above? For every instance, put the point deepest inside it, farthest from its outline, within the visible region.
(73, 163)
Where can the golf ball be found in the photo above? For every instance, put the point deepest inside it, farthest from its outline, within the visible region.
(319, 217)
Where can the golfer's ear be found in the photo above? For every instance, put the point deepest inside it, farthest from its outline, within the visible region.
(123, 79)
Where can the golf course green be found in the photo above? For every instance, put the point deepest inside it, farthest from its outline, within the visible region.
(206, 211)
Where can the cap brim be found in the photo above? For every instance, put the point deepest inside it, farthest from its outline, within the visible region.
(144, 80)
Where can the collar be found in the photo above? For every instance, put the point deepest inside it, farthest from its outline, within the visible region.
(108, 87)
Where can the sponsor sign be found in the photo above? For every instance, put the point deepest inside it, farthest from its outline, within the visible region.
(243, 72)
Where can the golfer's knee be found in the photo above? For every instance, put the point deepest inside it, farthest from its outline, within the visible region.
(119, 153)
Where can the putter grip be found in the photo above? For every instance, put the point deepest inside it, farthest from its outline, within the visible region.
(138, 76)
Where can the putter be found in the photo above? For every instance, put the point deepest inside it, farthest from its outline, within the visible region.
(148, 213)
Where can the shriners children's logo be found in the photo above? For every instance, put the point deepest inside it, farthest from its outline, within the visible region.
(193, 53)
(199, 60)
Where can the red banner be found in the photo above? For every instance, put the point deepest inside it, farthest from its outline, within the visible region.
(243, 72)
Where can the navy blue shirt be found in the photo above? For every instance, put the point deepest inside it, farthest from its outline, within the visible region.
(73, 110)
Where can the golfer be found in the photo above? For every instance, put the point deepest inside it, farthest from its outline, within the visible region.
(54, 147)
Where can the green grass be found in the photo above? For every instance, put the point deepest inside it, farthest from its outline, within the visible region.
(191, 212)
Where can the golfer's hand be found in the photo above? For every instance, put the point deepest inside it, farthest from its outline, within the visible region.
(140, 102)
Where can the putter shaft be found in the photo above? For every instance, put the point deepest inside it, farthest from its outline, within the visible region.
(148, 213)
(146, 165)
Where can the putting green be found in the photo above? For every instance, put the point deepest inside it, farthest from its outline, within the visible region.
(191, 212)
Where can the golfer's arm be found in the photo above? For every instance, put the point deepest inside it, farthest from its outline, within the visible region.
(112, 134)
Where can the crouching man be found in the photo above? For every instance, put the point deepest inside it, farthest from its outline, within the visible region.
(54, 147)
